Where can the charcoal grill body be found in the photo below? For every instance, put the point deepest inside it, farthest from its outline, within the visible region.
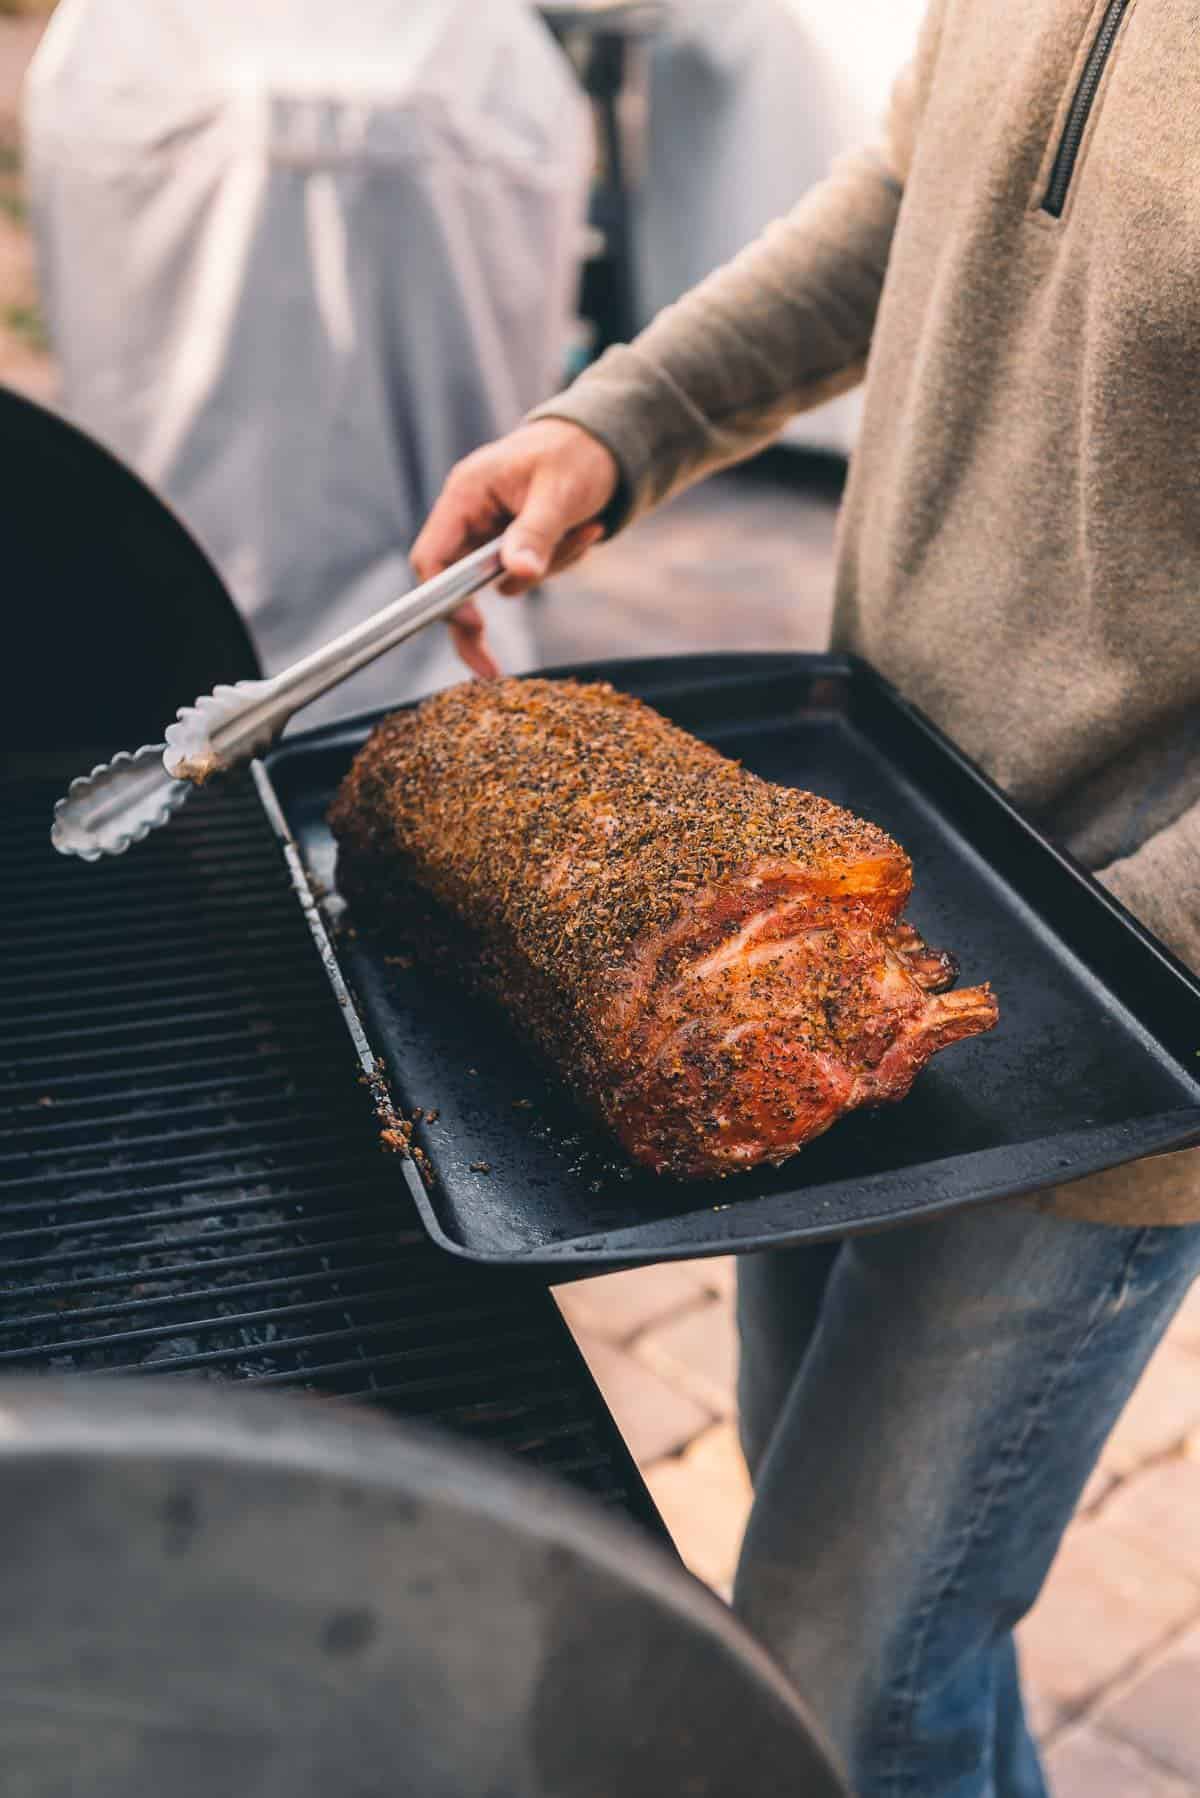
(190, 1174)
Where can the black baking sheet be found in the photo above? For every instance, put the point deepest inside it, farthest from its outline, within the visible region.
(1096, 1059)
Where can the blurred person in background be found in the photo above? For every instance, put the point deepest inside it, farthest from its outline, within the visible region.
(1013, 271)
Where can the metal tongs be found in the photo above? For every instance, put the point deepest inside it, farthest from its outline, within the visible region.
(122, 801)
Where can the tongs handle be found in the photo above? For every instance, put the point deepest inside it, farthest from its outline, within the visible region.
(121, 801)
(334, 662)
(228, 726)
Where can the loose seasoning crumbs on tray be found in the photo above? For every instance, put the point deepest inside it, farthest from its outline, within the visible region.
(395, 1133)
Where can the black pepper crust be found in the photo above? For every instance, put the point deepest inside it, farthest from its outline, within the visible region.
(590, 852)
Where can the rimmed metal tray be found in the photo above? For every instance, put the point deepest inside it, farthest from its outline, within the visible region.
(1096, 1060)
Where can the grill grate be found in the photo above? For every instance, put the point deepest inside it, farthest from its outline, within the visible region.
(190, 1180)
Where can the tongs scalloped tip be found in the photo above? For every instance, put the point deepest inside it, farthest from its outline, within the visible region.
(89, 826)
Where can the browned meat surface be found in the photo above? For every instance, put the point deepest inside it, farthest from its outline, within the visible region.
(715, 963)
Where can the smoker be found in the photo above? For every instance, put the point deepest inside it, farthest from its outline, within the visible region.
(455, 1584)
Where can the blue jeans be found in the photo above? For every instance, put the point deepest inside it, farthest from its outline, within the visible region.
(921, 1410)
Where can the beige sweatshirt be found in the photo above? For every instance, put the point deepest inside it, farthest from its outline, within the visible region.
(1017, 274)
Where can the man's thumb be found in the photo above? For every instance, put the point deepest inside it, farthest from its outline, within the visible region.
(536, 532)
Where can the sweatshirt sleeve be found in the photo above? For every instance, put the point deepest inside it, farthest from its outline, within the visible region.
(1160, 884)
(782, 327)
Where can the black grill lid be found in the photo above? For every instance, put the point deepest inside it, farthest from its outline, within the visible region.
(121, 617)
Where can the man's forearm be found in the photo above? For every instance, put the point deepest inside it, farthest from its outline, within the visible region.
(782, 327)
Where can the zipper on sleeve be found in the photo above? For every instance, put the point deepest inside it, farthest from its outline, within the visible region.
(1067, 154)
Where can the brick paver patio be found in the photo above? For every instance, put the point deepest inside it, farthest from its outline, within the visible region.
(1112, 1651)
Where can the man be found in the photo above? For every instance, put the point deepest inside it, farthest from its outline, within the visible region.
(1020, 553)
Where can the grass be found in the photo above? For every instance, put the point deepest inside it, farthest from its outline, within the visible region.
(25, 323)
(12, 200)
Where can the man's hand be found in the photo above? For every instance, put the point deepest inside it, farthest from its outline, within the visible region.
(547, 481)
